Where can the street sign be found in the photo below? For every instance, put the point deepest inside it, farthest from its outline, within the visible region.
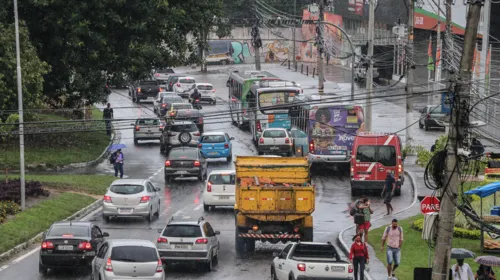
(446, 102)
(429, 204)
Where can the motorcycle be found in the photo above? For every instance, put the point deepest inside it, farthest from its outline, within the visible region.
(196, 103)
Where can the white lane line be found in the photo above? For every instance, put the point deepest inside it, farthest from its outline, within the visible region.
(4, 267)
(178, 213)
(187, 217)
(198, 207)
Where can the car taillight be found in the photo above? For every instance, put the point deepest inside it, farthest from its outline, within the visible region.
(200, 120)
(159, 267)
(162, 89)
(139, 89)
(161, 127)
(196, 164)
(226, 145)
(202, 241)
(47, 245)
(311, 146)
(107, 199)
(209, 187)
(172, 114)
(85, 246)
(164, 105)
(161, 240)
(350, 269)
(145, 199)
(259, 128)
(196, 134)
(167, 163)
(301, 266)
(400, 168)
(199, 145)
(137, 128)
(352, 171)
(157, 75)
(428, 116)
(261, 140)
(287, 141)
(108, 266)
(213, 90)
(178, 85)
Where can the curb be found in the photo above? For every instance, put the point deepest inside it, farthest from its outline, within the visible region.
(81, 213)
(340, 239)
(115, 137)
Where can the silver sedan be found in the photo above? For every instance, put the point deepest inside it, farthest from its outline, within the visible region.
(131, 197)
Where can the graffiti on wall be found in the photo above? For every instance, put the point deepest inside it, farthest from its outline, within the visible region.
(272, 51)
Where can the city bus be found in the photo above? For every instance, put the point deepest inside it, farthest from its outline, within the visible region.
(239, 85)
(270, 104)
(330, 128)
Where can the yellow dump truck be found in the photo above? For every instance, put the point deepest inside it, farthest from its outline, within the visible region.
(274, 201)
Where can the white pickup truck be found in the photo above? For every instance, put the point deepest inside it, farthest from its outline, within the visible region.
(310, 260)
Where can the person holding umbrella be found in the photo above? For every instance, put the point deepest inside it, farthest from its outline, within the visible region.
(117, 158)
(485, 273)
(462, 271)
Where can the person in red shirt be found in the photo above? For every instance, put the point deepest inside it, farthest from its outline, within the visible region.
(358, 256)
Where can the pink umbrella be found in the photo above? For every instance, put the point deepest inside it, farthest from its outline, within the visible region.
(488, 260)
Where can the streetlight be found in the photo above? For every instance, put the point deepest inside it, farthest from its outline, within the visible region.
(20, 107)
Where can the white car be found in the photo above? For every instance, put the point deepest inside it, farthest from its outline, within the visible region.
(219, 189)
(184, 85)
(207, 92)
(275, 141)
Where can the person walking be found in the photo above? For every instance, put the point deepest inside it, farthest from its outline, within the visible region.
(108, 117)
(433, 148)
(358, 256)
(393, 234)
(388, 191)
(367, 211)
(462, 271)
(119, 163)
(485, 272)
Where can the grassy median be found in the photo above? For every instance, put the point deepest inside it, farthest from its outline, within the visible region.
(38, 218)
(414, 252)
(57, 149)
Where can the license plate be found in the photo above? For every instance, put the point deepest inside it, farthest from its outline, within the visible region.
(213, 153)
(149, 133)
(224, 197)
(337, 269)
(274, 148)
(182, 246)
(65, 247)
(182, 172)
(91, 253)
(208, 148)
(125, 211)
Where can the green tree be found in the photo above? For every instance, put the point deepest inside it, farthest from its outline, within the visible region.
(32, 70)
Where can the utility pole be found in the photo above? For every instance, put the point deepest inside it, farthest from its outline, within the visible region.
(409, 74)
(257, 44)
(293, 35)
(449, 34)
(437, 71)
(203, 57)
(319, 44)
(369, 74)
(456, 135)
(484, 53)
(20, 108)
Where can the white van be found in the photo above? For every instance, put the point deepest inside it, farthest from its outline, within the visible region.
(219, 189)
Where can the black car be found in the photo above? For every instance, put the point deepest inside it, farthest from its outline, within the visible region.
(70, 244)
(172, 80)
(190, 115)
(145, 90)
(185, 162)
(165, 103)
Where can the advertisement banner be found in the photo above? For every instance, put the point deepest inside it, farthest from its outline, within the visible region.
(267, 99)
(333, 129)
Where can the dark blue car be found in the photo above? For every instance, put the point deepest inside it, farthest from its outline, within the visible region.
(216, 145)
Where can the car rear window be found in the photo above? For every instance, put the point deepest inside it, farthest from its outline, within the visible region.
(213, 139)
(274, 134)
(436, 110)
(187, 81)
(183, 153)
(166, 71)
(172, 99)
(149, 83)
(386, 155)
(73, 230)
(314, 251)
(134, 254)
(221, 179)
(182, 231)
(188, 113)
(126, 189)
(205, 87)
(148, 122)
(184, 128)
(182, 106)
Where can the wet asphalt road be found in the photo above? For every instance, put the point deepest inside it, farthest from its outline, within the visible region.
(184, 196)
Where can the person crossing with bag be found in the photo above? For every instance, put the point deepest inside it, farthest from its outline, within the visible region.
(358, 256)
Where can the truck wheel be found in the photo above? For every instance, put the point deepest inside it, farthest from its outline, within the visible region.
(239, 243)
(308, 235)
(250, 245)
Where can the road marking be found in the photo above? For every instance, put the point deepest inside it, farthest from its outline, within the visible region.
(4, 267)
(187, 217)
(198, 207)
(178, 213)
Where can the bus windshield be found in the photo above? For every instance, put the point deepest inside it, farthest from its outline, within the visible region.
(270, 99)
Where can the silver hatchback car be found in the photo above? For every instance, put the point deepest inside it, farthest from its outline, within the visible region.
(127, 259)
(131, 197)
(188, 241)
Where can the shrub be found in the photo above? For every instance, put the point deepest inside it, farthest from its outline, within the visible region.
(11, 190)
(457, 232)
(8, 208)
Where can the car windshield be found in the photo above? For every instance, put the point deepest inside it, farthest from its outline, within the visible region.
(184, 128)
(172, 99)
(183, 153)
(187, 81)
(213, 139)
(136, 254)
(126, 189)
(182, 231)
(221, 179)
(205, 87)
(149, 83)
(148, 122)
(274, 134)
(182, 106)
(386, 155)
(166, 71)
(69, 230)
